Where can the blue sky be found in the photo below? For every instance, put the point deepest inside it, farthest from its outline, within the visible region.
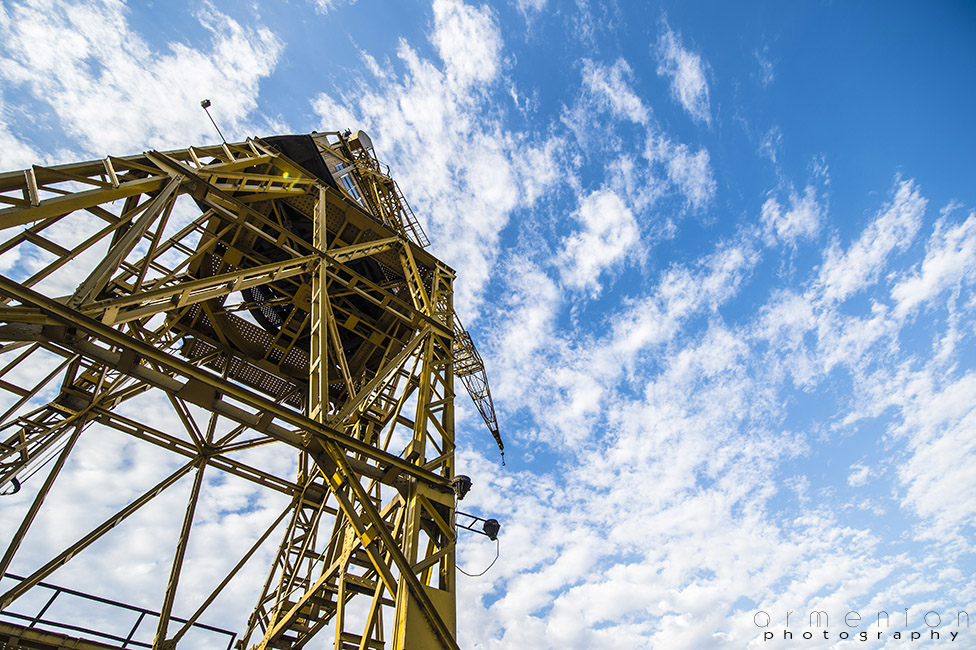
(719, 259)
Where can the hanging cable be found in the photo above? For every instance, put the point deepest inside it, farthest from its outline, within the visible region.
(478, 575)
(490, 527)
(17, 483)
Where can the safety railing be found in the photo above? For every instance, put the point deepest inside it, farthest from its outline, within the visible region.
(131, 640)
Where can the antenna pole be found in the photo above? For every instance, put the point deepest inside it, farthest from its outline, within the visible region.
(206, 106)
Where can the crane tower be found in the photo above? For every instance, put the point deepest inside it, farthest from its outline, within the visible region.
(276, 298)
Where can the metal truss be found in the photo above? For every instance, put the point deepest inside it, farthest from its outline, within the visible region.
(280, 287)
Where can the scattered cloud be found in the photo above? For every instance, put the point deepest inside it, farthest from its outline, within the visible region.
(445, 142)
(859, 475)
(530, 7)
(766, 72)
(14, 152)
(609, 233)
(666, 164)
(612, 88)
(468, 41)
(534, 302)
(690, 173)
(114, 93)
(325, 6)
(937, 423)
(845, 272)
(686, 70)
(771, 143)
(695, 434)
(801, 221)
(671, 426)
(949, 258)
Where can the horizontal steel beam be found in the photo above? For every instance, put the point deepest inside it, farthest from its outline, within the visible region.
(202, 386)
(153, 301)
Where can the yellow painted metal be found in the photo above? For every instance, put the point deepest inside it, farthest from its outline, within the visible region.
(299, 309)
(15, 636)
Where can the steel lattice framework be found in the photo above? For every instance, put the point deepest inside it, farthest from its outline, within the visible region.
(297, 306)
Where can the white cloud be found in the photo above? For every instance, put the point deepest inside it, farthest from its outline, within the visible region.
(680, 293)
(325, 6)
(950, 256)
(677, 403)
(766, 72)
(611, 86)
(461, 170)
(578, 377)
(846, 272)
(859, 475)
(687, 74)
(928, 398)
(114, 94)
(937, 416)
(609, 233)
(676, 486)
(608, 90)
(771, 142)
(785, 321)
(542, 168)
(534, 302)
(808, 324)
(529, 7)
(468, 41)
(801, 221)
(628, 177)
(14, 152)
(690, 173)
(337, 113)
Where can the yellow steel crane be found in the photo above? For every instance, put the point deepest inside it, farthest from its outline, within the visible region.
(281, 288)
